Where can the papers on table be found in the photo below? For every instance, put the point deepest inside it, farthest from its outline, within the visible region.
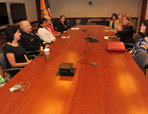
(65, 37)
(74, 28)
(106, 30)
(109, 37)
(105, 37)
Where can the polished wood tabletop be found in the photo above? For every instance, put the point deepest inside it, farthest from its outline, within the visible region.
(115, 86)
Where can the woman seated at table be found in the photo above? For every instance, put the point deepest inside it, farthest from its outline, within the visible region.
(120, 20)
(49, 22)
(45, 33)
(142, 43)
(126, 35)
(62, 25)
(13, 51)
(114, 21)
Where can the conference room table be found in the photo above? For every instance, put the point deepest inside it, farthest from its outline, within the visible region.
(115, 86)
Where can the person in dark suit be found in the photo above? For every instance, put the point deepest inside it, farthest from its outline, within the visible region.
(29, 40)
(126, 35)
(62, 25)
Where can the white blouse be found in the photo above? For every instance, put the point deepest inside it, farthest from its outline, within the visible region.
(46, 35)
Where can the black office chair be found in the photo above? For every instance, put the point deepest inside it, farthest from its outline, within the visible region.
(3, 63)
(142, 60)
(72, 22)
(55, 23)
(32, 54)
(84, 21)
(136, 38)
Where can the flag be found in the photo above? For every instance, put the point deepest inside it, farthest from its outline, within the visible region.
(45, 9)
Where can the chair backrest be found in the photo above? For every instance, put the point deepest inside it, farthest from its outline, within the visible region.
(142, 59)
(72, 22)
(84, 21)
(3, 61)
(136, 38)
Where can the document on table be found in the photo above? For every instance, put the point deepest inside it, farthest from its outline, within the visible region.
(65, 37)
(74, 28)
(109, 37)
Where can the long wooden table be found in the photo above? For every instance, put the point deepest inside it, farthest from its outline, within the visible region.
(116, 86)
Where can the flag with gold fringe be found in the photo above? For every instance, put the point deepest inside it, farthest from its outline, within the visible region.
(45, 9)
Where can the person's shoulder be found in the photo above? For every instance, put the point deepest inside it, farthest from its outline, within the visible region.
(146, 38)
(131, 27)
(59, 23)
(41, 30)
(111, 21)
(8, 48)
(23, 33)
(117, 21)
(7, 45)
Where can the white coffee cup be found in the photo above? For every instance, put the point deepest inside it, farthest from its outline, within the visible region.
(46, 52)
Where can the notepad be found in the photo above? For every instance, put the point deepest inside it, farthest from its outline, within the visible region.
(116, 46)
(74, 28)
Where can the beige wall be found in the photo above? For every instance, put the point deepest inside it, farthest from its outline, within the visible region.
(30, 8)
(100, 8)
(146, 16)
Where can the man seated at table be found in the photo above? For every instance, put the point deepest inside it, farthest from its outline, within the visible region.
(29, 40)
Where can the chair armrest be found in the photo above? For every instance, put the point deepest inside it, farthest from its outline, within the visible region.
(36, 52)
(31, 56)
(129, 44)
(11, 69)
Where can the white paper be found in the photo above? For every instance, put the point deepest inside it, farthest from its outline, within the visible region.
(74, 28)
(105, 37)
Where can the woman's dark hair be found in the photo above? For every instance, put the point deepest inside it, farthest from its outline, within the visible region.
(10, 31)
(41, 22)
(62, 16)
(145, 22)
(114, 14)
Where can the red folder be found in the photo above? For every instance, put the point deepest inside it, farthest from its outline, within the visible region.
(116, 46)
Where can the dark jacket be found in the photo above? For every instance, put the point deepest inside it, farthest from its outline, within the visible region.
(126, 35)
(30, 42)
(61, 28)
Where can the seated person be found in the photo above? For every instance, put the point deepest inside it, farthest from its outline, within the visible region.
(13, 50)
(126, 35)
(114, 21)
(45, 33)
(62, 25)
(142, 43)
(120, 20)
(29, 40)
(49, 25)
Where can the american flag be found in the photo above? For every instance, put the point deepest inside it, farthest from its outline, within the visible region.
(45, 9)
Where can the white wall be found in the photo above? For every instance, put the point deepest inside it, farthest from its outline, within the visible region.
(30, 9)
(100, 8)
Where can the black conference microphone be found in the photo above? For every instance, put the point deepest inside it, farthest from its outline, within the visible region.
(90, 37)
(84, 30)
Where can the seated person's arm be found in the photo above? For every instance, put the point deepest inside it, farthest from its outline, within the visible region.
(11, 60)
(127, 31)
(27, 59)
